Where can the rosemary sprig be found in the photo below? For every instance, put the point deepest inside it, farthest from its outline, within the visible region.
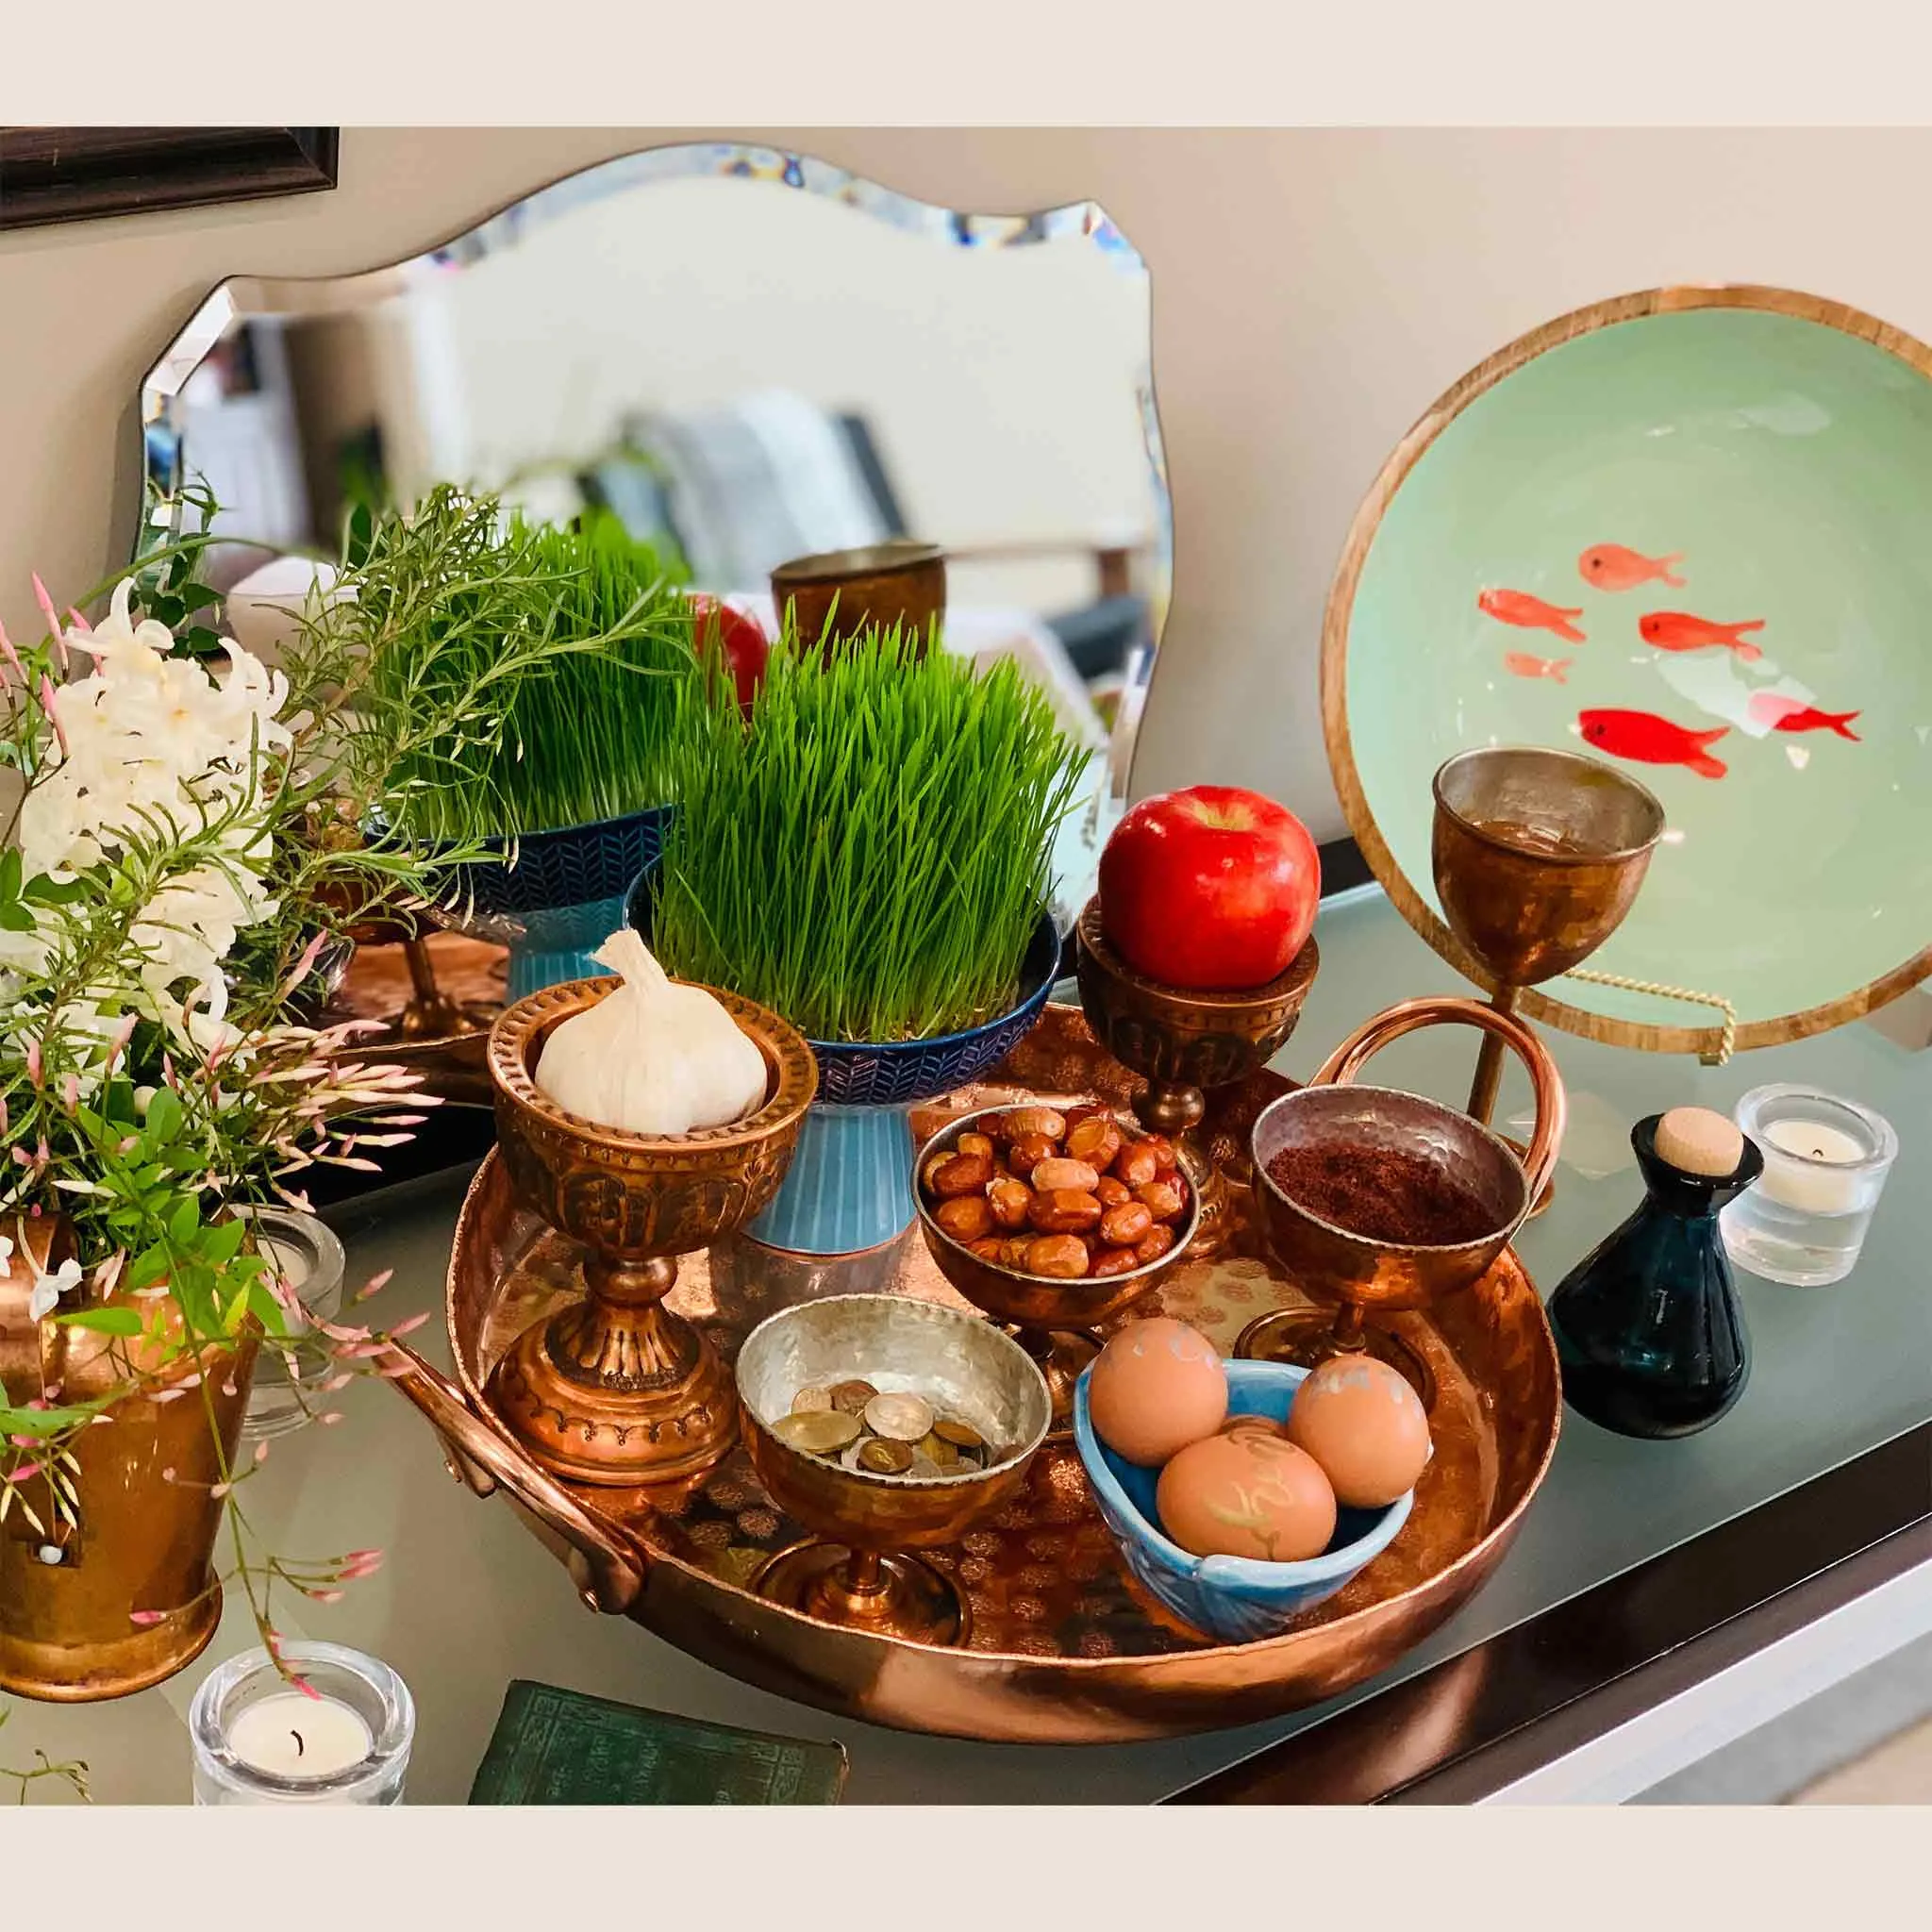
(870, 855)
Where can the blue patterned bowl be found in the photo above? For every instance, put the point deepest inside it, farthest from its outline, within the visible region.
(555, 897)
(850, 1184)
(1232, 1599)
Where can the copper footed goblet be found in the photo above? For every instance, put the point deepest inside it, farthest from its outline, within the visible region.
(1052, 1317)
(1537, 856)
(1351, 1276)
(617, 1388)
(858, 1569)
(1185, 1043)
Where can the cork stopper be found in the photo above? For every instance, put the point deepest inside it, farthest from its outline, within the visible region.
(1693, 1139)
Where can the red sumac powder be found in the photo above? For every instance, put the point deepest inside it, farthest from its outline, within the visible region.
(1381, 1194)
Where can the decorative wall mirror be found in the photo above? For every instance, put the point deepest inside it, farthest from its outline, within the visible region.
(746, 355)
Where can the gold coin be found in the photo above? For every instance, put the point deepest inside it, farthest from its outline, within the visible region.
(821, 1432)
(925, 1466)
(902, 1418)
(811, 1402)
(850, 1398)
(885, 1458)
(935, 1448)
(960, 1435)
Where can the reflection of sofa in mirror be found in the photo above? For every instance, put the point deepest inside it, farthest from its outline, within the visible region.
(741, 487)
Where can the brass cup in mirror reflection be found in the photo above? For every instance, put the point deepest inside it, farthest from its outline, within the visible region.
(617, 1388)
(1537, 856)
(838, 594)
(1053, 1319)
(1187, 1045)
(1351, 1276)
(858, 1568)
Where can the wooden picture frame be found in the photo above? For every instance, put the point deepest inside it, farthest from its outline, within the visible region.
(83, 174)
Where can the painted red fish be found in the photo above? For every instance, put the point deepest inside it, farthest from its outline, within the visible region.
(1530, 613)
(1610, 567)
(1521, 664)
(1787, 714)
(1672, 630)
(1648, 740)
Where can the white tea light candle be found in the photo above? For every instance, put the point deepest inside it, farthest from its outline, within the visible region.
(289, 1735)
(258, 1739)
(1820, 1179)
(1825, 1160)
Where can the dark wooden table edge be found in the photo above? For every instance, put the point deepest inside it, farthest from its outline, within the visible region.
(1482, 1721)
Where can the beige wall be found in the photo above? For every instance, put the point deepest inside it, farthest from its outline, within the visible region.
(1313, 291)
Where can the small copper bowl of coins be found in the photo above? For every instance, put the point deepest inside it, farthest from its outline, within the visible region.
(1052, 1219)
(885, 1424)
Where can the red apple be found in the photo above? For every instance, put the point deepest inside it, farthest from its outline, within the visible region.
(1211, 888)
(737, 637)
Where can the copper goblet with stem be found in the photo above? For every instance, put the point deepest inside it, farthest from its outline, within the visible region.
(859, 1567)
(1537, 856)
(1052, 1317)
(617, 1388)
(1187, 1045)
(1351, 1276)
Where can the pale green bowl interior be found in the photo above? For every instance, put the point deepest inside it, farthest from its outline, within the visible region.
(1792, 464)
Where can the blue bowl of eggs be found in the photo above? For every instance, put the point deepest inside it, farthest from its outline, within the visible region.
(1201, 1467)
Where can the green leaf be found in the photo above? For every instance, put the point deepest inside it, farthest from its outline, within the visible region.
(224, 1243)
(200, 638)
(184, 1220)
(104, 1321)
(10, 873)
(165, 610)
(41, 1422)
(165, 1116)
(195, 595)
(14, 917)
(148, 1267)
(43, 891)
(266, 1310)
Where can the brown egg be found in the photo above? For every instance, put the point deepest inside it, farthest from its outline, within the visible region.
(1157, 1386)
(1365, 1425)
(1247, 1493)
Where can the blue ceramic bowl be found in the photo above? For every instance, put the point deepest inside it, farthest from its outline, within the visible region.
(555, 897)
(903, 1073)
(849, 1187)
(1232, 1599)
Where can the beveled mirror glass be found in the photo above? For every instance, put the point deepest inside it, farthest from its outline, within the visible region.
(750, 355)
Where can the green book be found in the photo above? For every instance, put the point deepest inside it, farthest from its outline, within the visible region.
(560, 1747)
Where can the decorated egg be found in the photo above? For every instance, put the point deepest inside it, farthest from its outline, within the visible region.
(1154, 1389)
(1359, 1419)
(1246, 1494)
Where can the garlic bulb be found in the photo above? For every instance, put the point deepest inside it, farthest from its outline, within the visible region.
(654, 1056)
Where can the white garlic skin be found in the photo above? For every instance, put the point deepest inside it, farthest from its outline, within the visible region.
(655, 1057)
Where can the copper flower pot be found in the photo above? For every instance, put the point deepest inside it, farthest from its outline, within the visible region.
(138, 1540)
(618, 1388)
(1356, 1274)
(838, 594)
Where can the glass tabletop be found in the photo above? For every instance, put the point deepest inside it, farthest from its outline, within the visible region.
(468, 1599)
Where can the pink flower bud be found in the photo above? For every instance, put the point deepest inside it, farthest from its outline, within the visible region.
(145, 1617)
(70, 1092)
(53, 715)
(33, 1062)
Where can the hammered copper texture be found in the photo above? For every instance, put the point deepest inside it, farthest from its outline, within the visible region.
(1042, 1576)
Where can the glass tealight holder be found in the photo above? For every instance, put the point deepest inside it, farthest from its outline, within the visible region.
(312, 1261)
(1825, 1160)
(257, 1740)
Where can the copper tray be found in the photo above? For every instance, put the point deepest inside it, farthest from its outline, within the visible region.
(1065, 1649)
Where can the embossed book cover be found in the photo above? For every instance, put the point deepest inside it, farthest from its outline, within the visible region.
(560, 1747)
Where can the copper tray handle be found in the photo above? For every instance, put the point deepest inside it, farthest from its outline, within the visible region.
(1552, 1109)
(608, 1570)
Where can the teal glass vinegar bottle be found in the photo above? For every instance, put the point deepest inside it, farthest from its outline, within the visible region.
(1648, 1329)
